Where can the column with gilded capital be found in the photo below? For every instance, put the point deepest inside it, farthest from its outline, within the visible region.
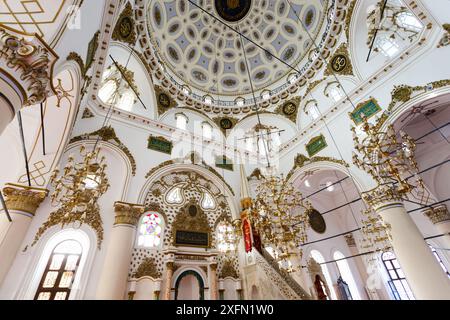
(441, 219)
(22, 203)
(213, 280)
(168, 283)
(113, 279)
(422, 271)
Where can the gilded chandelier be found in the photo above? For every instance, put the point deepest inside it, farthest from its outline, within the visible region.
(76, 193)
(279, 214)
(227, 237)
(387, 158)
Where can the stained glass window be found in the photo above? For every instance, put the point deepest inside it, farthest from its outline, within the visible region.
(150, 230)
(58, 277)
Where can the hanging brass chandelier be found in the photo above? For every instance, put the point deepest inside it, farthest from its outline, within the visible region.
(279, 214)
(227, 237)
(389, 159)
(76, 193)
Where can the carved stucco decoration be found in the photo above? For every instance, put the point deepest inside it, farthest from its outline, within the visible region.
(125, 29)
(228, 270)
(445, 40)
(225, 123)
(340, 62)
(76, 214)
(23, 198)
(29, 61)
(289, 109)
(147, 268)
(256, 174)
(186, 221)
(87, 114)
(164, 100)
(438, 214)
(127, 213)
(302, 160)
(108, 134)
(404, 93)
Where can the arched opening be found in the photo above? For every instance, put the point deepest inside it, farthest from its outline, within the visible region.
(189, 286)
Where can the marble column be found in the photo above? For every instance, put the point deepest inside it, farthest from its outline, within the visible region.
(113, 278)
(422, 271)
(441, 219)
(213, 280)
(22, 203)
(168, 283)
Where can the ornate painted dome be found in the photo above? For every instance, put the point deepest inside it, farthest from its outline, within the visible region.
(206, 55)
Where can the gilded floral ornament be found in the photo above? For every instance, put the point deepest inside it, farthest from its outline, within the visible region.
(23, 198)
(147, 269)
(30, 61)
(125, 30)
(228, 270)
(301, 160)
(445, 40)
(76, 192)
(108, 134)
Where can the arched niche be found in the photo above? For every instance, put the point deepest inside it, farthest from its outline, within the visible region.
(174, 167)
(186, 281)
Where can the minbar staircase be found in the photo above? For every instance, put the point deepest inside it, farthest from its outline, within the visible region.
(287, 286)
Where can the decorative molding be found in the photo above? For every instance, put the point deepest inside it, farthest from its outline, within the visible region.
(30, 62)
(73, 56)
(404, 93)
(108, 134)
(382, 196)
(147, 269)
(87, 114)
(23, 198)
(301, 160)
(350, 240)
(228, 270)
(315, 145)
(125, 29)
(127, 213)
(191, 218)
(445, 40)
(438, 214)
(91, 52)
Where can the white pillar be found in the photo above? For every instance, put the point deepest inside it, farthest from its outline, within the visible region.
(422, 271)
(113, 279)
(441, 219)
(22, 203)
(213, 280)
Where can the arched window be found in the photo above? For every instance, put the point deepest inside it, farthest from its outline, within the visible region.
(115, 90)
(439, 259)
(207, 131)
(181, 120)
(208, 202)
(56, 282)
(312, 111)
(408, 21)
(150, 230)
(346, 274)
(316, 255)
(387, 46)
(174, 196)
(398, 284)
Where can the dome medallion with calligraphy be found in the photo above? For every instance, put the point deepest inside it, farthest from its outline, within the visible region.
(203, 52)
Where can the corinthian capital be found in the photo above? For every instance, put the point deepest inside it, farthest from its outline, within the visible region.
(23, 198)
(438, 214)
(127, 213)
(382, 196)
